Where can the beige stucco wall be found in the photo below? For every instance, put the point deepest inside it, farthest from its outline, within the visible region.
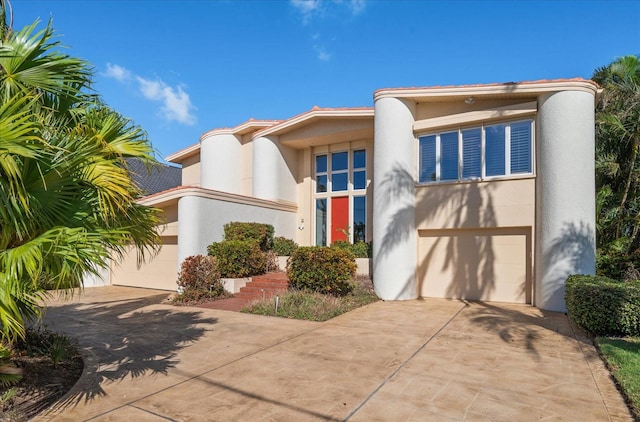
(475, 240)
(191, 170)
(428, 110)
(328, 131)
(497, 203)
(158, 273)
(306, 186)
(170, 228)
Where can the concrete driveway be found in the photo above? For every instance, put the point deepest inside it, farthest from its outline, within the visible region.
(390, 361)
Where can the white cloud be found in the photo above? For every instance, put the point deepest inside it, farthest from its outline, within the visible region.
(357, 6)
(307, 8)
(176, 104)
(322, 53)
(311, 8)
(117, 72)
(150, 89)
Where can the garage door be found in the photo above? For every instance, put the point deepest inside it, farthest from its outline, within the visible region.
(160, 273)
(476, 264)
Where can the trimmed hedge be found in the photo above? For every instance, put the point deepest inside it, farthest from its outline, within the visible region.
(261, 233)
(238, 258)
(603, 306)
(320, 269)
(359, 249)
(199, 278)
(283, 246)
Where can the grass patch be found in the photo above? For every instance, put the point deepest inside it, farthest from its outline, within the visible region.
(312, 306)
(622, 355)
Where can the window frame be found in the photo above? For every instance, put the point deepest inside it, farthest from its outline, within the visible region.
(351, 192)
(483, 161)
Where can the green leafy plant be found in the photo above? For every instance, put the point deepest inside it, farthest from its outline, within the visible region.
(617, 263)
(603, 306)
(68, 202)
(58, 349)
(199, 278)
(283, 246)
(359, 249)
(261, 233)
(238, 258)
(9, 374)
(617, 154)
(6, 397)
(320, 269)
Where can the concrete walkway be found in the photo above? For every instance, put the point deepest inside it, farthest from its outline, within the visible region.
(389, 361)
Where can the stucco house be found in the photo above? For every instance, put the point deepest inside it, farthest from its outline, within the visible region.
(479, 191)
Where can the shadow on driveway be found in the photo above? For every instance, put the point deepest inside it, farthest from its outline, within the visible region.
(140, 340)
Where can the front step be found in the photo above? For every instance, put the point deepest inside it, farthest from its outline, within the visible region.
(264, 286)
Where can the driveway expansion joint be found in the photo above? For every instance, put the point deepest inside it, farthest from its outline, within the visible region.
(406, 362)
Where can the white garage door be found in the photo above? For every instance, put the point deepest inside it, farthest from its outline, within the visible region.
(476, 264)
(160, 273)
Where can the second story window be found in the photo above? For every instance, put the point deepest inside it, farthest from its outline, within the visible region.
(477, 153)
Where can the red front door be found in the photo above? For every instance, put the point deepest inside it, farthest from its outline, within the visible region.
(340, 218)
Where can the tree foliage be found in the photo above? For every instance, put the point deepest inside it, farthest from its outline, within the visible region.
(617, 160)
(67, 198)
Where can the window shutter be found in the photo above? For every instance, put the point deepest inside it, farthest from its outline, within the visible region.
(428, 159)
(471, 153)
(449, 156)
(494, 150)
(521, 147)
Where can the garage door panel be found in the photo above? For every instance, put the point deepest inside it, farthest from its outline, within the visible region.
(159, 273)
(491, 264)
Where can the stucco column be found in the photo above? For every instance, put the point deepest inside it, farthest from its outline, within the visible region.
(394, 228)
(189, 230)
(273, 170)
(221, 163)
(565, 194)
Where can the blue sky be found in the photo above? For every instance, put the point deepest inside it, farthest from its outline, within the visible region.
(180, 68)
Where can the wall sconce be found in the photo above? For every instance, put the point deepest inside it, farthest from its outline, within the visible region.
(301, 226)
(469, 100)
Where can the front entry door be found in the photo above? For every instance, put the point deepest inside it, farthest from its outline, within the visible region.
(339, 218)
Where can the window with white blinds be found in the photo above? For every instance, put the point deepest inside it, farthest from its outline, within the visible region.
(477, 153)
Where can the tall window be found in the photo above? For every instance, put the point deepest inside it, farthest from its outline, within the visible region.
(340, 196)
(476, 153)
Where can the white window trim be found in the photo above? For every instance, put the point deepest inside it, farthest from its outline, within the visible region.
(484, 177)
(350, 192)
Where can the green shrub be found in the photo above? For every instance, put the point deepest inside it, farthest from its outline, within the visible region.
(238, 258)
(261, 233)
(359, 249)
(199, 278)
(617, 264)
(603, 306)
(320, 269)
(283, 246)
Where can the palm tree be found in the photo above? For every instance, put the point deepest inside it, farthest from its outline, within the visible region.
(617, 149)
(67, 199)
